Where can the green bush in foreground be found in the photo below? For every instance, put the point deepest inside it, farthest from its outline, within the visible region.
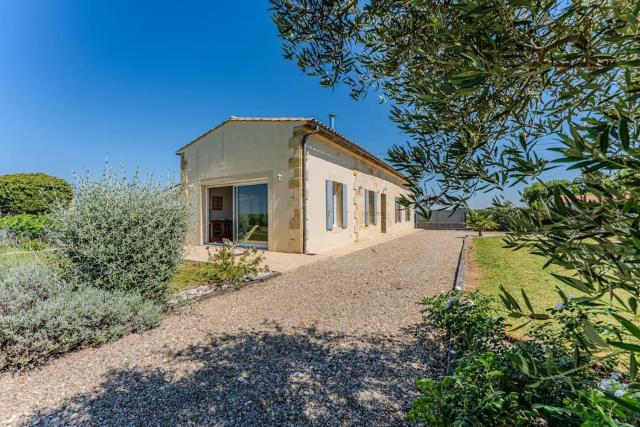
(487, 385)
(42, 316)
(122, 234)
(32, 193)
(26, 225)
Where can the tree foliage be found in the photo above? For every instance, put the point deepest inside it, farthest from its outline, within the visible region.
(543, 190)
(32, 193)
(480, 87)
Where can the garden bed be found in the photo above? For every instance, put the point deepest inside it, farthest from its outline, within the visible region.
(196, 292)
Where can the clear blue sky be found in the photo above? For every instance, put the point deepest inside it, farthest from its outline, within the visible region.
(133, 81)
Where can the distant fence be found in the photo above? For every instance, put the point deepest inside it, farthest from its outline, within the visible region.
(443, 220)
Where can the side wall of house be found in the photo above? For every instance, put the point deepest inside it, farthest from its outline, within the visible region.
(244, 152)
(329, 161)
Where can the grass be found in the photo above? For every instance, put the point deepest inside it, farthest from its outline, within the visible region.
(516, 270)
(11, 255)
(191, 274)
(497, 266)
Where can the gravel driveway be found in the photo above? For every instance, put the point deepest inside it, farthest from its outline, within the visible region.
(335, 343)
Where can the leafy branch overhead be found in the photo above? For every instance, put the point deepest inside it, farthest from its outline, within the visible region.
(474, 84)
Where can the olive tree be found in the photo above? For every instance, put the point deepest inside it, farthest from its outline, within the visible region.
(478, 87)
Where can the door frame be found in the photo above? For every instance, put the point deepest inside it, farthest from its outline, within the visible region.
(235, 214)
(207, 238)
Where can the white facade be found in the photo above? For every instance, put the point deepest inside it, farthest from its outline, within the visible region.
(259, 164)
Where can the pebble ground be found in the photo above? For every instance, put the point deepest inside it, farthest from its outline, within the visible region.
(338, 342)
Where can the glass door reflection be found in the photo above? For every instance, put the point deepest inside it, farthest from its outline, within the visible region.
(251, 214)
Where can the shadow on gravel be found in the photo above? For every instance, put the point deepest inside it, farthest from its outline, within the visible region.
(267, 378)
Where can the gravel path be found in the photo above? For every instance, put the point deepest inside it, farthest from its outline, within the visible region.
(335, 343)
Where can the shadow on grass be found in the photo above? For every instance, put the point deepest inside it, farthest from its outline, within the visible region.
(265, 378)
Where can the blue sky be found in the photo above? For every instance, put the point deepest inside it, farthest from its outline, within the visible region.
(132, 81)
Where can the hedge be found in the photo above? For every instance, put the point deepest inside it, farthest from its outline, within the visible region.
(32, 193)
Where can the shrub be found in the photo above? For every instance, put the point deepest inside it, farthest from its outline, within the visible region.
(41, 316)
(504, 216)
(122, 234)
(469, 320)
(26, 225)
(476, 395)
(231, 264)
(480, 221)
(32, 193)
(488, 385)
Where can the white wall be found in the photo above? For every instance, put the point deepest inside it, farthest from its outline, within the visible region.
(327, 160)
(242, 152)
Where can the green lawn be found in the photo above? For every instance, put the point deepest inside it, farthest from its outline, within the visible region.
(12, 256)
(191, 274)
(516, 270)
(496, 265)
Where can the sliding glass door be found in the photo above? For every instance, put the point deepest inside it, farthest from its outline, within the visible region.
(251, 214)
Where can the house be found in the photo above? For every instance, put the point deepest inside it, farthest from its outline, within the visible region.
(247, 177)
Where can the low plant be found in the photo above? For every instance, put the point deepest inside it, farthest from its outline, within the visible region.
(595, 407)
(232, 264)
(42, 315)
(469, 320)
(122, 233)
(26, 226)
(487, 384)
(477, 394)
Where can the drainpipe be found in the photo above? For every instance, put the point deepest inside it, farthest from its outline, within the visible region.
(304, 187)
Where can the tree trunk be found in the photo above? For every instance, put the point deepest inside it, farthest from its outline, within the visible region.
(479, 233)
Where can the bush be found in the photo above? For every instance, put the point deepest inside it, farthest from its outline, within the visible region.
(26, 225)
(476, 395)
(487, 385)
(469, 320)
(122, 234)
(32, 193)
(41, 316)
(232, 264)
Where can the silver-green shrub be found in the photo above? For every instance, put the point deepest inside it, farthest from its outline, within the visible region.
(122, 234)
(41, 316)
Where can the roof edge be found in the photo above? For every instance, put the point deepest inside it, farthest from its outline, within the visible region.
(310, 122)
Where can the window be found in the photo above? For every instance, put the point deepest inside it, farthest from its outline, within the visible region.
(398, 210)
(370, 207)
(216, 203)
(336, 205)
(407, 214)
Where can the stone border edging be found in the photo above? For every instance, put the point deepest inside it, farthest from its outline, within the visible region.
(208, 291)
(458, 283)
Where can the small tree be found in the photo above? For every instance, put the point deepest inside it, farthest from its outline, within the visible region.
(480, 222)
